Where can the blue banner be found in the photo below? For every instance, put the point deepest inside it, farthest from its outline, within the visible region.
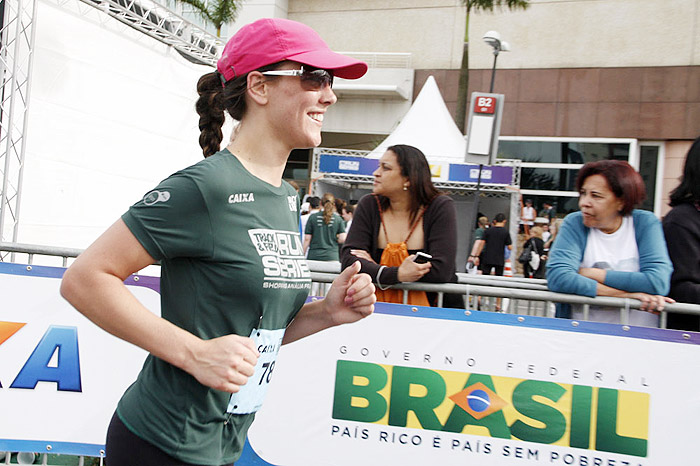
(458, 172)
(489, 174)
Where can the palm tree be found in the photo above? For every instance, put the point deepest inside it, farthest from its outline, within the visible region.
(476, 5)
(217, 12)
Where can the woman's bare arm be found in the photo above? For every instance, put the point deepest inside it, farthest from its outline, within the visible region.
(94, 285)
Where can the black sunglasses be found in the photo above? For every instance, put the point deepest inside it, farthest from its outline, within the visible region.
(311, 79)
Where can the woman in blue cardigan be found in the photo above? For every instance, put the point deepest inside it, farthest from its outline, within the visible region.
(610, 249)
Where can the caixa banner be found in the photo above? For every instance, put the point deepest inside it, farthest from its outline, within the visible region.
(60, 375)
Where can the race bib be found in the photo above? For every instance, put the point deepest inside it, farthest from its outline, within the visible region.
(250, 397)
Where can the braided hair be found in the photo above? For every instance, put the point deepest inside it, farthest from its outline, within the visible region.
(328, 207)
(215, 97)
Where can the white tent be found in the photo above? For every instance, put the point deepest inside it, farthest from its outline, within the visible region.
(428, 126)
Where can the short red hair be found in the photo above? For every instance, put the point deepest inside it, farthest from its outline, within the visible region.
(624, 181)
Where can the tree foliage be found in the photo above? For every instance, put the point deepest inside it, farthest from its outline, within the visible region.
(215, 12)
(475, 6)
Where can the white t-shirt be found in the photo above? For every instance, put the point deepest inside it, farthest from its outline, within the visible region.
(528, 216)
(546, 235)
(615, 251)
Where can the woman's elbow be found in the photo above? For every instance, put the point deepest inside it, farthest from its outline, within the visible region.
(555, 282)
(70, 285)
(561, 281)
(659, 279)
(660, 285)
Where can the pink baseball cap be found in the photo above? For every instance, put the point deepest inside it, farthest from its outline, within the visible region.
(271, 40)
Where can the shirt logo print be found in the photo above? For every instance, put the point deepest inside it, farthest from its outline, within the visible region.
(241, 197)
(292, 200)
(156, 196)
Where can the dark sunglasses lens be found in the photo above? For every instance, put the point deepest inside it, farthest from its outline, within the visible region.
(317, 79)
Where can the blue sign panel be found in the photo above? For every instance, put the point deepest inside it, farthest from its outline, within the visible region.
(489, 174)
(347, 165)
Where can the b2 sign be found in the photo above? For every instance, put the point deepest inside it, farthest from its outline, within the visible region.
(485, 105)
(61, 376)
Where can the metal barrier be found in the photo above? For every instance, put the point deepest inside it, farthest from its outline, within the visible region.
(515, 289)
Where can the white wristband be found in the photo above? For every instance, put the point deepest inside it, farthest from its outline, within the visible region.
(379, 285)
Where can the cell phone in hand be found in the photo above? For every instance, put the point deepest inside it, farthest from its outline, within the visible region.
(422, 258)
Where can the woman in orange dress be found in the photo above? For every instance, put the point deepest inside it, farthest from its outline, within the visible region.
(404, 215)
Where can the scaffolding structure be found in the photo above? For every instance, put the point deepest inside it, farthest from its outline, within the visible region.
(18, 19)
(162, 24)
(17, 35)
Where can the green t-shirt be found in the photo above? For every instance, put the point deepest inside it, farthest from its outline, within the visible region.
(324, 237)
(230, 253)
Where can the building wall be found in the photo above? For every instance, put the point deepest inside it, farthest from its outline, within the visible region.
(548, 34)
(591, 34)
(660, 103)
(431, 30)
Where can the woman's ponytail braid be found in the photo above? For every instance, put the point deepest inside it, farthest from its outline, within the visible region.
(210, 108)
(215, 97)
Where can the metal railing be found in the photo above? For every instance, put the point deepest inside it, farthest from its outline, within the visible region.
(472, 287)
(516, 289)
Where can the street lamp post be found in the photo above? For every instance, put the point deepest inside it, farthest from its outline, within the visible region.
(493, 39)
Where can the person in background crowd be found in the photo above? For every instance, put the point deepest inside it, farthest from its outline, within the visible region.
(527, 216)
(339, 204)
(325, 230)
(492, 249)
(482, 225)
(548, 212)
(610, 249)
(304, 208)
(554, 227)
(538, 248)
(546, 234)
(212, 226)
(405, 214)
(682, 230)
(348, 212)
(314, 206)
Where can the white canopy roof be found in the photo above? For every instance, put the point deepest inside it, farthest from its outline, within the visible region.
(428, 126)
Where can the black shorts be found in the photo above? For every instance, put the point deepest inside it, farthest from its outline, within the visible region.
(124, 448)
(486, 269)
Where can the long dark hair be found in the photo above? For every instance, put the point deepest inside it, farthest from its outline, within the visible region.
(415, 167)
(689, 189)
(215, 97)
